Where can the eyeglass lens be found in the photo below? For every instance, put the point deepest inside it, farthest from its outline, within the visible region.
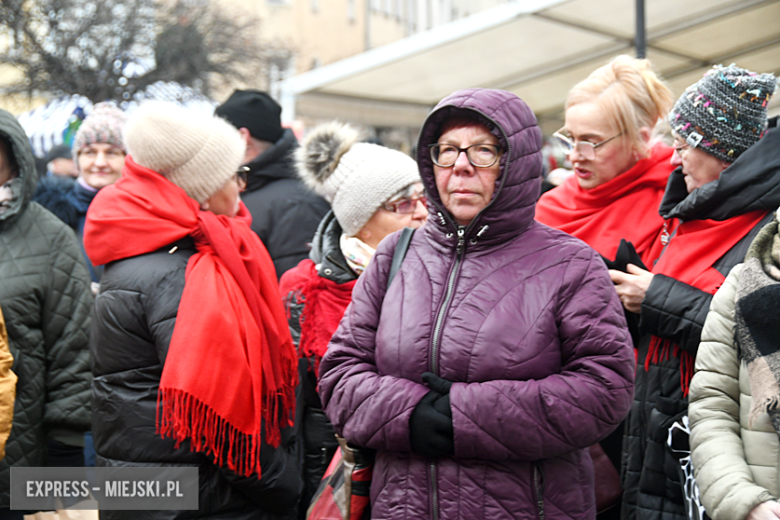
(408, 205)
(584, 148)
(479, 155)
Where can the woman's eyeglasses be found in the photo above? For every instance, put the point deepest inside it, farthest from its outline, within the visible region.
(584, 148)
(404, 206)
(479, 155)
(242, 177)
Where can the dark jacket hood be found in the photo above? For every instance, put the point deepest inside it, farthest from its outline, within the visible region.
(11, 130)
(750, 183)
(275, 163)
(518, 186)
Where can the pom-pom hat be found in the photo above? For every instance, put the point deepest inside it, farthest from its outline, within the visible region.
(104, 124)
(198, 152)
(355, 178)
(725, 112)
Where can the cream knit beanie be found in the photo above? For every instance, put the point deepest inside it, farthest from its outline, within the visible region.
(356, 178)
(196, 151)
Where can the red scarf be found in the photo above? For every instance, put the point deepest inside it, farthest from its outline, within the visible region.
(689, 258)
(325, 302)
(231, 364)
(624, 207)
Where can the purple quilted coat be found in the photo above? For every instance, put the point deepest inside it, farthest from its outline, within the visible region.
(524, 320)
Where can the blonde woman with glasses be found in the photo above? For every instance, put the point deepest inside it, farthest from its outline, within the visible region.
(620, 170)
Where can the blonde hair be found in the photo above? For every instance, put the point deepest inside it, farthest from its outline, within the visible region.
(630, 94)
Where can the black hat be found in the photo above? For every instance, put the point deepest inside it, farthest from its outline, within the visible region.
(60, 151)
(254, 110)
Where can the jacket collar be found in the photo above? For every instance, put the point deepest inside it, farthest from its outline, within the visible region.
(275, 163)
(326, 251)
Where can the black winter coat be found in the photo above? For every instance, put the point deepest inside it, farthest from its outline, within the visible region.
(313, 426)
(135, 313)
(676, 311)
(46, 300)
(285, 213)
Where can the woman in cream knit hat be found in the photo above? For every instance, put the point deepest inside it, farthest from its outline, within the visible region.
(193, 363)
(373, 191)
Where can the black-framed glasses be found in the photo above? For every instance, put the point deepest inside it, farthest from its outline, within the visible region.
(584, 148)
(242, 177)
(405, 206)
(480, 155)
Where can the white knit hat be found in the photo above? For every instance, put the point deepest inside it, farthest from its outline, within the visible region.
(356, 178)
(196, 151)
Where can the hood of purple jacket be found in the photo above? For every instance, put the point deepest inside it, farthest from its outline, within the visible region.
(518, 186)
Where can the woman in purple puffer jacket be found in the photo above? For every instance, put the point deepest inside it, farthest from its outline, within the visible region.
(500, 351)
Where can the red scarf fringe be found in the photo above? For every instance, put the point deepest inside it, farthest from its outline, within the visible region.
(689, 258)
(659, 351)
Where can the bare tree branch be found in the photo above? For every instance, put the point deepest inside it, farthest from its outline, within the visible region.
(109, 49)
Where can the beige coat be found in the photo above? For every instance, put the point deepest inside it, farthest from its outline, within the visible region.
(7, 388)
(737, 467)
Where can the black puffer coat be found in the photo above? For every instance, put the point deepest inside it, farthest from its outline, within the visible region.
(46, 300)
(315, 430)
(285, 213)
(676, 311)
(135, 313)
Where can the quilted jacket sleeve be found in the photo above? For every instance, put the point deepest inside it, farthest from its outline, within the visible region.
(66, 322)
(676, 311)
(566, 411)
(367, 408)
(7, 388)
(728, 490)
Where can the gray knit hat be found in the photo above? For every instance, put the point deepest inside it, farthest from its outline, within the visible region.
(356, 178)
(104, 124)
(724, 113)
(196, 151)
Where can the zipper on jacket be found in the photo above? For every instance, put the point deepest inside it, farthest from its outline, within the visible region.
(434, 493)
(460, 249)
(539, 488)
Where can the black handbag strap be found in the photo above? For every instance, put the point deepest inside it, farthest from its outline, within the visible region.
(400, 253)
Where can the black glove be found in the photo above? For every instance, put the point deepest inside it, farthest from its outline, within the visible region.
(430, 431)
(61, 455)
(626, 254)
(437, 383)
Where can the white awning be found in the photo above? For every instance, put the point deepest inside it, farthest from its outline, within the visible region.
(539, 49)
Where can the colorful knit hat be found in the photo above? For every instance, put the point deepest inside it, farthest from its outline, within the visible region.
(355, 178)
(724, 113)
(104, 124)
(197, 152)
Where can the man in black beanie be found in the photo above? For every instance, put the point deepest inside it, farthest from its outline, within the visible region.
(285, 213)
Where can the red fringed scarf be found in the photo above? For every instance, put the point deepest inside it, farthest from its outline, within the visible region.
(689, 258)
(231, 364)
(325, 302)
(625, 207)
